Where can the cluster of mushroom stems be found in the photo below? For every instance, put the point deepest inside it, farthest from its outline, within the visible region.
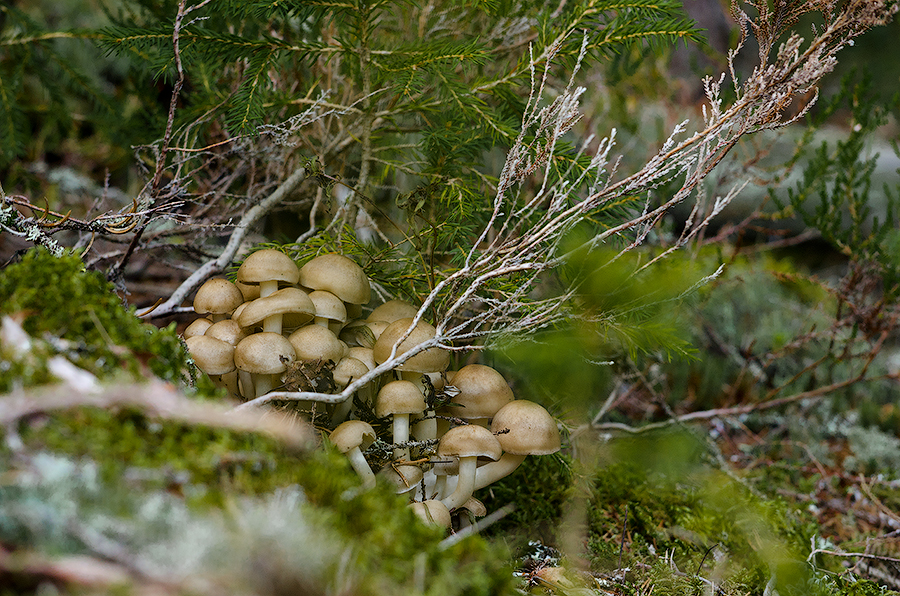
(450, 432)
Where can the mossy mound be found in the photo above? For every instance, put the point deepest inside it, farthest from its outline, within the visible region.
(80, 316)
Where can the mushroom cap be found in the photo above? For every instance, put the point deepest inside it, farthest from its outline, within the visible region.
(364, 355)
(227, 330)
(339, 275)
(531, 429)
(403, 478)
(315, 342)
(399, 397)
(352, 433)
(392, 310)
(430, 360)
(356, 333)
(292, 303)
(348, 369)
(268, 265)
(482, 391)
(328, 306)
(197, 327)
(432, 512)
(212, 356)
(468, 441)
(475, 507)
(217, 296)
(264, 353)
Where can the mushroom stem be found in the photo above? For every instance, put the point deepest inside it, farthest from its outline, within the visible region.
(465, 485)
(495, 470)
(263, 384)
(272, 323)
(267, 288)
(401, 435)
(361, 466)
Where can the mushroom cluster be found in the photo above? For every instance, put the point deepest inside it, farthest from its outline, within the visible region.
(435, 435)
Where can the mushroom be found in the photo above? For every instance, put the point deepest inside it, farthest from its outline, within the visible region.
(399, 399)
(432, 512)
(482, 392)
(266, 268)
(339, 275)
(288, 307)
(345, 371)
(197, 327)
(430, 360)
(468, 442)
(404, 478)
(315, 342)
(263, 355)
(352, 438)
(330, 310)
(392, 310)
(218, 298)
(214, 357)
(227, 330)
(523, 428)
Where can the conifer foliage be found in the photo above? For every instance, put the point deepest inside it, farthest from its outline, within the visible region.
(372, 128)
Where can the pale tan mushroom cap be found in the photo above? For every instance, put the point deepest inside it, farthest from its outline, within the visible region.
(315, 342)
(292, 303)
(399, 397)
(468, 441)
(197, 327)
(482, 391)
(364, 355)
(328, 306)
(217, 296)
(264, 353)
(430, 360)
(212, 356)
(339, 275)
(392, 310)
(403, 478)
(348, 369)
(228, 330)
(432, 512)
(268, 265)
(532, 430)
(352, 433)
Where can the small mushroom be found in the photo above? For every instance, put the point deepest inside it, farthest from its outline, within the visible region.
(404, 478)
(197, 327)
(399, 399)
(330, 310)
(263, 355)
(288, 307)
(352, 438)
(468, 442)
(432, 512)
(217, 298)
(315, 342)
(392, 310)
(523, 428)
(339, 275)
(429, 360)
(482, 392)
(349, 369)
(266, 268)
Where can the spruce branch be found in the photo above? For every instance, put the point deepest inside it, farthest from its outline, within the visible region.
(523, 236)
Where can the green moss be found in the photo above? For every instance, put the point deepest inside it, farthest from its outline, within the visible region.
(701, 520)
(133, 459)
(57, 297)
